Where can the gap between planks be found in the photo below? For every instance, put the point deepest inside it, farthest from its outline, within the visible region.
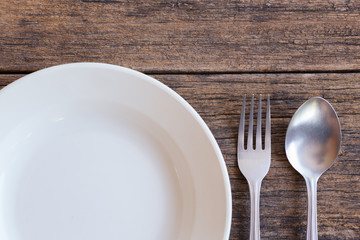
(5, 72)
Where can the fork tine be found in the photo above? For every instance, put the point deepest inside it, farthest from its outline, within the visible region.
(258, 127)
(268, 126)
(251, 120)
(242, 127)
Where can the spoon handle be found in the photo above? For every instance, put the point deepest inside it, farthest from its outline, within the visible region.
(311, 185)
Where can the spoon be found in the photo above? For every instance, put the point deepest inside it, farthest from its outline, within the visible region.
(312, 144)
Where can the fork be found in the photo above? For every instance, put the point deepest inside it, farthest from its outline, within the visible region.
(254, 164)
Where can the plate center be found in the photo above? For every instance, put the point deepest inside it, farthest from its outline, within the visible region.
(85, 175)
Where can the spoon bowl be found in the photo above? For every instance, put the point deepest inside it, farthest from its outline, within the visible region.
(313, 137)
(312, 143)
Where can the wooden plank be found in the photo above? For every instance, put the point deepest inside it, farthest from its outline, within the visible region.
(283, 198)
(182, 36)
(217, 98)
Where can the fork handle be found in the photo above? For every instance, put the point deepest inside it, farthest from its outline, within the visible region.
(255, 212)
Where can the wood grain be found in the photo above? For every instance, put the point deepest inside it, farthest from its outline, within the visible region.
(182, 36)
(217, 97)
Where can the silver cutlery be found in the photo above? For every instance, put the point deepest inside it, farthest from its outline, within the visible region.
(312, 144)
(254, 163)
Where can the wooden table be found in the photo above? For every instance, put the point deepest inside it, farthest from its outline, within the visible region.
(212, 53)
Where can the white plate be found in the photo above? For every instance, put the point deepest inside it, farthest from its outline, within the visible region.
(97, 151)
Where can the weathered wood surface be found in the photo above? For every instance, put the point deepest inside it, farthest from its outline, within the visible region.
(222, 38)
(217, 97)
(182, 36)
